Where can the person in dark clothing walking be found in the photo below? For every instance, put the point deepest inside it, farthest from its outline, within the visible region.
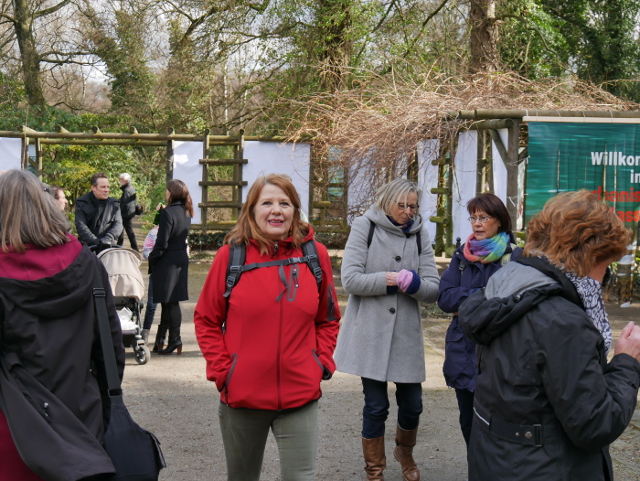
(487, 249)
(128, 202)
(169, 264)
(547, 403)
(98, 218)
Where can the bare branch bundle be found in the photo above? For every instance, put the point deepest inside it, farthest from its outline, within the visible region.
(384, 119)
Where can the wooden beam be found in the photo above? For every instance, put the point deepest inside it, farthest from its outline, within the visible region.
(502, 150)
(512, 172)
(222, 183)
(221, 205)
(223, 161)
(517, 114)
(492, 124)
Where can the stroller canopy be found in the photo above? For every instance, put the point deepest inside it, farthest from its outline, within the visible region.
(123, 268)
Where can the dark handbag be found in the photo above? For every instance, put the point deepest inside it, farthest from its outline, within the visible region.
(44, 430)
(139, 210)
(135, 452)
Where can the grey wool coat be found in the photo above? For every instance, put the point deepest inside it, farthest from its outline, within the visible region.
(381, 335)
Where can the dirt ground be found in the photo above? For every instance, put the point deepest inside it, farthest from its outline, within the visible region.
(171, 397)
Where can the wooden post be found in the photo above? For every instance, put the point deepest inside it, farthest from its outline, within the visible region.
(481, 161)
(448, 231)
(205, 177)
(237, 174)
(24, 154)
(39, 157)
(512, 171)
(169, 158)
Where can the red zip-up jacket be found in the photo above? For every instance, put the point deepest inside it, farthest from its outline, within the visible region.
(271, 343)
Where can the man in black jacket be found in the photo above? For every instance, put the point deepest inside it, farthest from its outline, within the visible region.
(127, 209)
(98, 218)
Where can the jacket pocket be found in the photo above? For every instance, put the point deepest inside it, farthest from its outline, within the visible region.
(227, 381)
(314, 354)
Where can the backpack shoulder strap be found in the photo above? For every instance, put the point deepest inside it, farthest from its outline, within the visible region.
(311, 255)
(237, 256)
(372, 227)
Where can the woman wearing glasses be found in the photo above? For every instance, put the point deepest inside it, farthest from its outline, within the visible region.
(388, 269)
(488, 248)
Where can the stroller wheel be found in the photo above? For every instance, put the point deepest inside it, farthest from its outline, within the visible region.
(142, 354)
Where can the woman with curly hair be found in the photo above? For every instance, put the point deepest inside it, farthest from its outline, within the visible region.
(547, 403)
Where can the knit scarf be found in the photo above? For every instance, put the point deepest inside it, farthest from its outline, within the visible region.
(486, 251)
(590, 292)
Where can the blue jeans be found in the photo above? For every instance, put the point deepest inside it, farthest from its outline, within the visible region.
(150, 310)
(376, 406)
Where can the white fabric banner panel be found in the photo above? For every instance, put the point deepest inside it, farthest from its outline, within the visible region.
(292, 159)
(499, 167)
(464, 182)
(522, 169)
(187, 168)
(10, 153)
(428, 151)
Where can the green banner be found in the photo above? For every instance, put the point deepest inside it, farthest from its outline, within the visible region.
(603, 158)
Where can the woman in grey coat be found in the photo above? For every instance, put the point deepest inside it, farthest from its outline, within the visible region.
(387, 269)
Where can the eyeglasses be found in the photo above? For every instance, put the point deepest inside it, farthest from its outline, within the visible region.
(411, 207)
(483, 219)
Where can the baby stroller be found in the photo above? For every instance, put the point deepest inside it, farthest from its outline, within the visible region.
(127, 285)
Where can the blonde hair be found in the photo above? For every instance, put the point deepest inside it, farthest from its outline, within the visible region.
(576, 231)
(395, 191)
(246, 228)
(28, 214)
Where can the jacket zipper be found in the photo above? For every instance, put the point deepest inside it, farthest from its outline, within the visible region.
(279, 360)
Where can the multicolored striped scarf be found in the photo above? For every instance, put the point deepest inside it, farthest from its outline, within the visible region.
(486, 251)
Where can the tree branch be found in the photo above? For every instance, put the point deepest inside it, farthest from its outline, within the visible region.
(52, 9)
(419, 34)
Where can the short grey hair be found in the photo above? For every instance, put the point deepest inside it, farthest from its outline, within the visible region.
(125, 176)
(395, 191)
(28, 214)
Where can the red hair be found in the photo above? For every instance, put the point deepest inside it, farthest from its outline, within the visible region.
(576, 231)
(246, 228)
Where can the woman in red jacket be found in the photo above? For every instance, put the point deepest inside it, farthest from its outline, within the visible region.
(269, 340)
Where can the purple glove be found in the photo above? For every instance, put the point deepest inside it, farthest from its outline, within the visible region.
(404, 279)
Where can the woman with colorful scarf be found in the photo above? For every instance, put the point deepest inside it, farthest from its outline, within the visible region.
(488, 248)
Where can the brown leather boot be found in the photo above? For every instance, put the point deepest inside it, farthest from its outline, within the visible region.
(374, 458)
(405, 441)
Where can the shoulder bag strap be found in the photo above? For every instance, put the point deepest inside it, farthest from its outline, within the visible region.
(106, 343)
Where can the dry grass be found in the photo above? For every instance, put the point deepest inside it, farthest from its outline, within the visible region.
(384, 119)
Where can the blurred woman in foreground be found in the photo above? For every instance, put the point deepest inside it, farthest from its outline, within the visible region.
(48, 328)
(547, 403)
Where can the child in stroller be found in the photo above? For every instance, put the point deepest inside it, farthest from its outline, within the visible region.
(127, 284)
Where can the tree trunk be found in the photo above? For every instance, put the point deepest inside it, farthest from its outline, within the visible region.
(29, 55)
(484, 37)
(334, 42)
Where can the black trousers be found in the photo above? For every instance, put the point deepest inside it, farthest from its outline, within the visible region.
(465, 404)
(128, 228)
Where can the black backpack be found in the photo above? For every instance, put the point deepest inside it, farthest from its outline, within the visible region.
(237, 266)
